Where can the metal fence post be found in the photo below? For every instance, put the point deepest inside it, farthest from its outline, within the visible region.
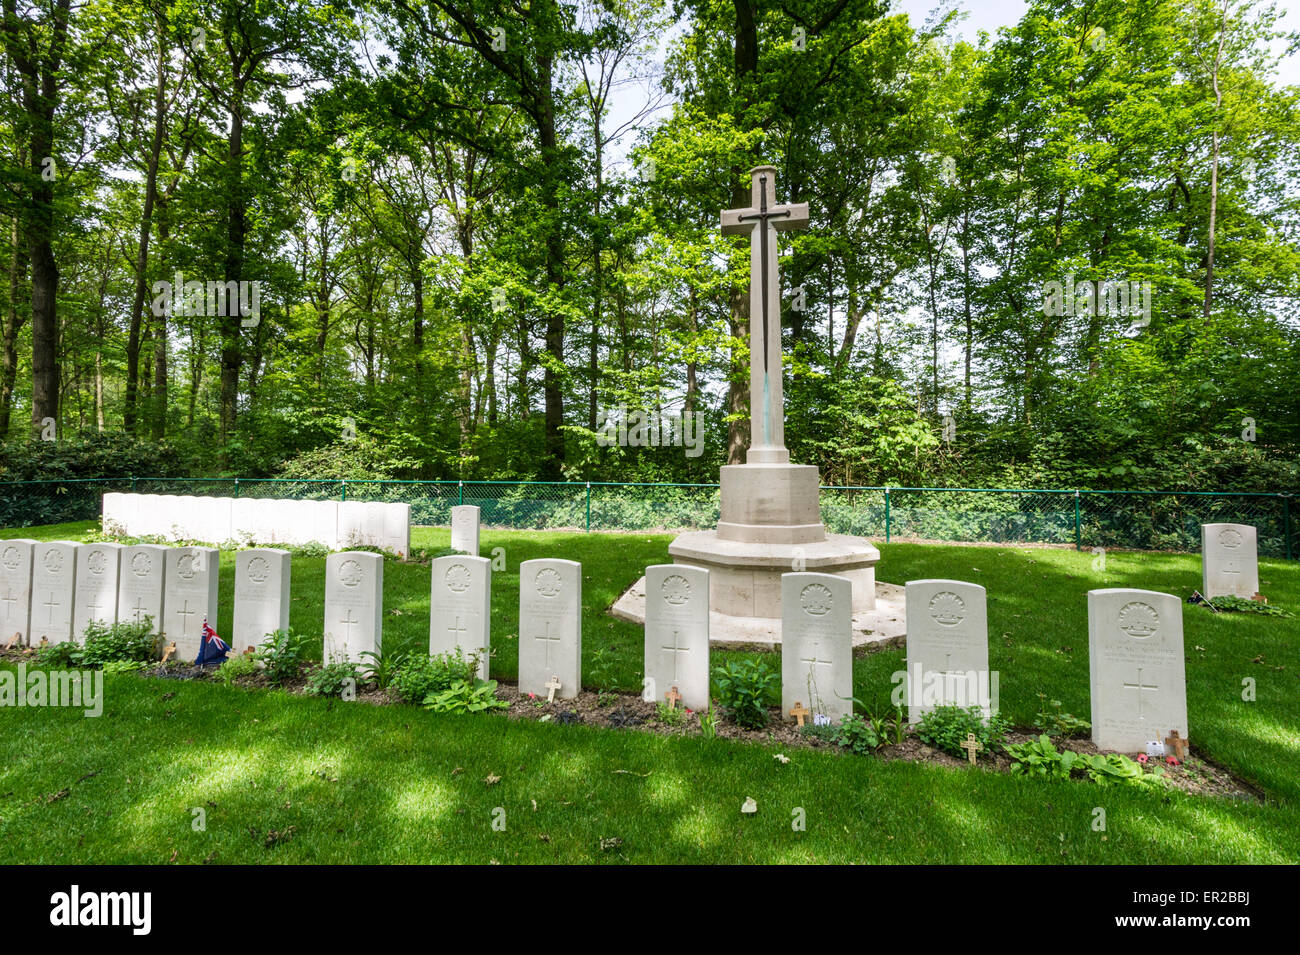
(343, 491)
(1078, 530)
(236, 487)
(133, 483)
(460, 494)
(886, 515)
(1286, 522)
(588, 507)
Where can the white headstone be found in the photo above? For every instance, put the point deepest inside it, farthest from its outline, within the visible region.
(354, 605)
(464, 529)
(947, 647)
(677, 634)
(111, 516)
(352, 524)
(190, 597)
(1229, 561)
(460, 605)
(397, 529)
(1135, 653)
(214, 519)
(15, 589)
(261, 596)
(244, 523)
(97, 581)
(324, 523)
(182, 518)
(140, 584)
(817, 644)
(54, 577)
(550, 626)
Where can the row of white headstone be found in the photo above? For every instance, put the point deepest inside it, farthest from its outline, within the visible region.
(215, 520)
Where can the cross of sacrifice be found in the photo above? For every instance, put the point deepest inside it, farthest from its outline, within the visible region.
(799, 711)
(760, 221)
(547, 641)
(552, 685)
(673, 697)
(1139, 686)
(1177, 744)
(457, 630)
(972, 746)
(674, 650)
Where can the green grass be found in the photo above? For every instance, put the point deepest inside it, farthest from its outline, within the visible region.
(376, 784)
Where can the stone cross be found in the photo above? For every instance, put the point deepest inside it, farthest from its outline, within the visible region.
(972, 746)
(552, 684)
(673, 696)
(799, 711)
(1177, 744)
(760, 221)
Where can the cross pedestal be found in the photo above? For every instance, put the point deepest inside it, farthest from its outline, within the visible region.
(770, 522)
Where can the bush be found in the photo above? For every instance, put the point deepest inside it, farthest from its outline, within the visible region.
(857, 735)
(59, 655)
(946, 728)
(119, 642)
(281, 656)
(418, 676)
(743, 690)
(332, 680)
(236, 667)
(466, 696)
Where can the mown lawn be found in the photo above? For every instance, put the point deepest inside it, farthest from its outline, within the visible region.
(356, 783)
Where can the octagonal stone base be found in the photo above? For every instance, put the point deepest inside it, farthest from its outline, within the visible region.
(745, 576)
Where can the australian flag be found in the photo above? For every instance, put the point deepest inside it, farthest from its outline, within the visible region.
(212, 649)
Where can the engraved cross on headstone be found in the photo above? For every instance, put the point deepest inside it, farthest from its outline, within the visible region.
(674, 650)
(185, 613)
(457, 630)
(10, 599)
(1140, 686)
(51, 603)
(547, 640)
(139, 609)
(760, 222)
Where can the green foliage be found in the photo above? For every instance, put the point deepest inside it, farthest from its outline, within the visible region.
(857, 735)
(333, 679)
(418, 676)
(1057, 723)
(709, 724)
(744, 688)
(670, 717)
(466, 696)
(381, 667)
(1242, 605)
(236, 667)
(1040, 759)
(946, 728)
(120, 641)
(124, 666)
(59, 656)
(281, 655)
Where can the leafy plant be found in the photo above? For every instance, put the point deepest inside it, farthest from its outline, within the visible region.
(381, 668)
(236, 667)
(418, 675)
(466, 696)
(1112, 769)
(59, 655)
(1039, 757)
(670, 717)
(106, 643)
(281, 655)
(857, 735)
(822, 731)
(946, 728)
(1054, 722)
(124, 666)
(709, 724)
(332, 679)
(743, 690)
(1242, 605)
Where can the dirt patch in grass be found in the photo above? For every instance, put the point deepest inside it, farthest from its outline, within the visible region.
(625, 711)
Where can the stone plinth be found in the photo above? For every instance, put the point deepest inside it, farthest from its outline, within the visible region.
(771, 525)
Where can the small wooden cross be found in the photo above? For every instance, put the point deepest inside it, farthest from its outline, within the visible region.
(552, 684)
(13, 640)
(1259, 599)
(1176, 744)
(673, 697)
(248, 651)
(169, 652)
(972, 746)
(45, 641)
(799, 711)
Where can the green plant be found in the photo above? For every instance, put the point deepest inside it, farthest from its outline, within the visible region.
(333, 679)
(418, 675)
(59, 655)
(1112, 769)
(670, 717)
(1039, 757)
(281, 655)
(946, 728)
(106, 643)
(709, 724)
(235, 667)
(857, 735)
(124, 666)
(822, 731)
(743, 690)
(381, 667)
(465, 696)
(1242, 605)
(600, 670)
(1056, 723)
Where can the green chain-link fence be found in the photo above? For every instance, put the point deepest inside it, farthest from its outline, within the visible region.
(1147, 520)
